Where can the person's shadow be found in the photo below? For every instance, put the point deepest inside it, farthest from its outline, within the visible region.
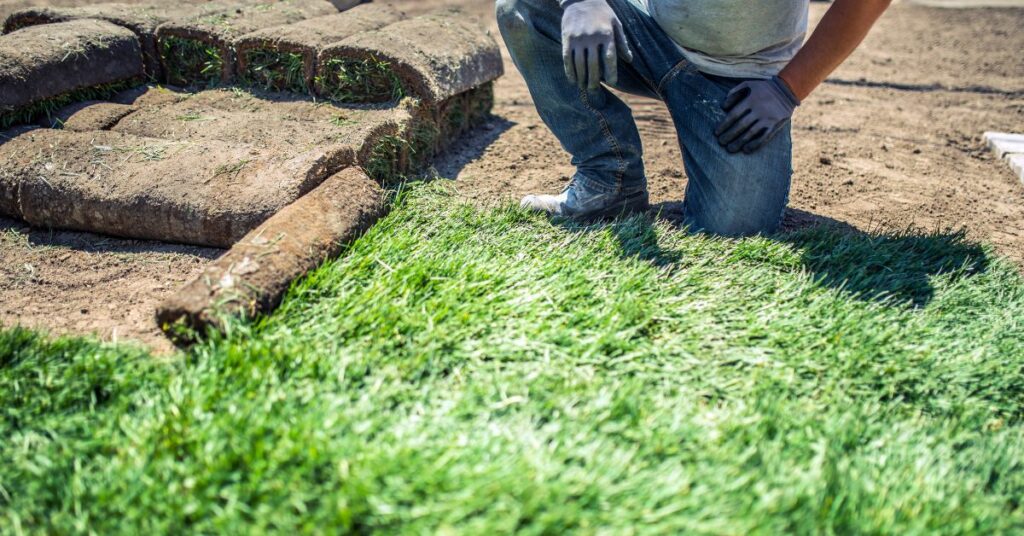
(891, 267)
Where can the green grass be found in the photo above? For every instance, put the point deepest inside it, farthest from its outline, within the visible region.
(190, 61)
(360, 81)
(276, 70)
(388, 159)
(46, 108)
(467, 371)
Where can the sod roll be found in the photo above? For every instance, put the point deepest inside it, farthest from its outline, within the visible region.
(45, 67)
(433, 58)
(284, 57)
(208, 192)
(200, 49)
(143, 19)
(254, 275)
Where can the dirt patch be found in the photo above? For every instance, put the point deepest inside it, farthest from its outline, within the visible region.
(75, 283)
(432, 58)
(42, 68)
(916, 47)
(200, 49)
(254, 275)
(284, 57)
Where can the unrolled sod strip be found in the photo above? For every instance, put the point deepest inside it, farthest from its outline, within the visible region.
(254, 275)
(142, 19)
(284, 57)
(205, 192)
(45, 67)
(201, 49)
(432, 58)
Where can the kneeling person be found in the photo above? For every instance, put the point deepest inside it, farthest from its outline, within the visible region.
(731, 73)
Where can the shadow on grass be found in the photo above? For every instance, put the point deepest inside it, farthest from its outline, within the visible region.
(890, 267)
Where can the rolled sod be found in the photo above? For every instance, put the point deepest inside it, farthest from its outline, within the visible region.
(432, 58)
(284, 57)
(142, 19)
(43, 68)
(200, 49)
(254, 275)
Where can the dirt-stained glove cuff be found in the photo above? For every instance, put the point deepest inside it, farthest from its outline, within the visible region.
(783, 89)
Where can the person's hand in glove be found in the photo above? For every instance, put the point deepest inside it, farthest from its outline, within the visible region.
(756, 111)
(592, 36)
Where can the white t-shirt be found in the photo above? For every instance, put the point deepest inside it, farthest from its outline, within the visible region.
(734, 38)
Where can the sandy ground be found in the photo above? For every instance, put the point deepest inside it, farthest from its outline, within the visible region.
(894, 139)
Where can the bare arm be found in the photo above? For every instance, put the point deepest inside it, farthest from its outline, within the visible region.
(838, 34)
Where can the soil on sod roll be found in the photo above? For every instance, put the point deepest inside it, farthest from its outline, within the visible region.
(88, 115)
(45, 67)
(254, 275)
(432, 58)
(284, 57)
(281, 123)
(200, 49)
(208, 193)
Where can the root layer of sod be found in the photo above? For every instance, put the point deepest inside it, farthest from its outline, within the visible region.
(188, 60)
(481, 372)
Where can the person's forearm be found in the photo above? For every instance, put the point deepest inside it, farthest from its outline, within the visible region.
(838, 34)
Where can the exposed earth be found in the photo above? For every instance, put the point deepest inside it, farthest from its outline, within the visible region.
(893, 140)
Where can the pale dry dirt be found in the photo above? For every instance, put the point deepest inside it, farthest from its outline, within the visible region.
(893, 140)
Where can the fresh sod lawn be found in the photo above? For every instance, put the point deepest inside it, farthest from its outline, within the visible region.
(486, 372)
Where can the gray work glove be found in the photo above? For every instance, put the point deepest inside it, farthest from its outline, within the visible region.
(592, 35)
(756, 110)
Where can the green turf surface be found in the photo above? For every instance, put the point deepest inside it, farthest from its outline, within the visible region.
(487, 371)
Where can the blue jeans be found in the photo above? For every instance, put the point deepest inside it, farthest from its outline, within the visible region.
(727, 194)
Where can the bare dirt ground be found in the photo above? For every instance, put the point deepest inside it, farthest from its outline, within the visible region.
(893, 140)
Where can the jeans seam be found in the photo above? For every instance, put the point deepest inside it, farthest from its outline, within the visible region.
(672, 73)
(608, 136)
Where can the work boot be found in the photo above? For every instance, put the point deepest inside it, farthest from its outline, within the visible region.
(579, 202)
